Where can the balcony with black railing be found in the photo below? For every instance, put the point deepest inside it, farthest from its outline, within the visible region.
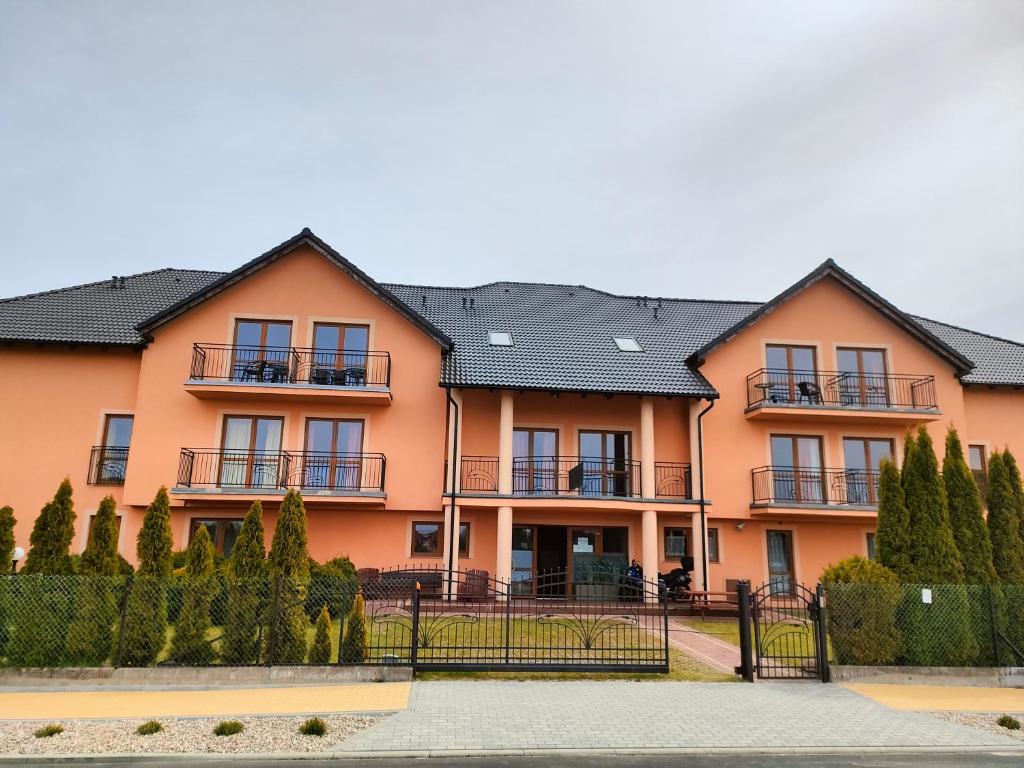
(107, 465)
(796, 486)
(310, 472)
(305, 372)
(771, 391)
(576, 476)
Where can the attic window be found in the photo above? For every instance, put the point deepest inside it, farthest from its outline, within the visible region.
(499, 338)
(627, 344)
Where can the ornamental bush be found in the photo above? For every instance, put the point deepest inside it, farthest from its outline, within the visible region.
(320, 653)
(355, 646)
(289, 562)
(52, 533)
(246, 588)
(191, 644)
(334, 583)
(863, 598)
(145, 625)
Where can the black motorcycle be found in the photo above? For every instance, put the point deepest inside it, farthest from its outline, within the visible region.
(675, 585)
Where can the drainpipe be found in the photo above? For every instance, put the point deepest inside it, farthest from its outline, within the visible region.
(703, 511)
(454, 426)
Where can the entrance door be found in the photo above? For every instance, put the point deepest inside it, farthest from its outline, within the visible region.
(584, 555)
(552, 563)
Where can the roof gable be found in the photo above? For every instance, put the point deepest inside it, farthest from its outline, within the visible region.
(829, 269)
(305, 237)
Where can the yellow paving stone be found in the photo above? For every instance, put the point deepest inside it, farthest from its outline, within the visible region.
(69, 705)
(943, 698)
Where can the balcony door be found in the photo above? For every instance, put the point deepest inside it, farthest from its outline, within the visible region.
(792, 374)
(862, 377)
(535, 461)
(333, 458)
(261, 350)
(797, 469)
(251, 452)
(339, 354)
(117, 436)
(606, 466)
(862, 457)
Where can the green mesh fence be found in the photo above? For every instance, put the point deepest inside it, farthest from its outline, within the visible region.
(926, 625)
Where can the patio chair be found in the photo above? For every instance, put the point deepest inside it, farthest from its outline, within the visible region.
(810, 391)
(474, 588)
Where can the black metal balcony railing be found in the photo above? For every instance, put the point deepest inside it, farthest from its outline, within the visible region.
(107, 465)
(571, 475)
(793, 485)
(290, 365)
(871, 391)
(264, 470)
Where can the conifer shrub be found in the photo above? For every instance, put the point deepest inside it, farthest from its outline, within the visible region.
(7, 545)
(933, 553)
(863, 598)
(246, 591)
(228, 728)
(355, 645)
(145, 625)
(965, 515)
(315, 726)
(48, 730)
(320, 653)
(892, 539)
(1003, 523)
(149, 727)
(51, 536)
(335, 582)
(289, 562)
(191, 644)
(90, 636)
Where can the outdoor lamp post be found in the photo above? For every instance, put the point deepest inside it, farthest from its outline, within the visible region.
(19, 553)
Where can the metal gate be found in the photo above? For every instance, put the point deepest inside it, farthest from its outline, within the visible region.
(434, 619)
(782, 632)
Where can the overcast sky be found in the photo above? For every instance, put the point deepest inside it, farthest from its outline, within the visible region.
(696, 149)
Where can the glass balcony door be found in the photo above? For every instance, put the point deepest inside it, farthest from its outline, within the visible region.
(780, 562)
(333, 458)
(792, 374)
(606, 464)
(862, 377)
(117, 436)
(251, 452)
(261, 351)
(339, 354)
(535, 461)
(797, 469)
(862, 458)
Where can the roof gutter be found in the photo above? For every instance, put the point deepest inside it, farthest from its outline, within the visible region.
(703, 508)
(453, 407)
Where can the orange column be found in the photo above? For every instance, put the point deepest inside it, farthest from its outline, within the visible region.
(503, 556)
(649, 518)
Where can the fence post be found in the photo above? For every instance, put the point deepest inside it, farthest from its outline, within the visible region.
(821, 627)
(415, 639)
(746, 668)
(508, 619)
(275, 618)
(993, 621)
(121, 621)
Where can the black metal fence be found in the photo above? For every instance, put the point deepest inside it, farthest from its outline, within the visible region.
(305, 470)
(781, 485)
(874, 391)
(290, 365)
(107, 465)
(423, 617)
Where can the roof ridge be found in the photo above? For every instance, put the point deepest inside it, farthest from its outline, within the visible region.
(100, 282)
(969, 330)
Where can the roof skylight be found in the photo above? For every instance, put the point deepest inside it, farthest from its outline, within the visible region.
(627, 344)
(499, 338)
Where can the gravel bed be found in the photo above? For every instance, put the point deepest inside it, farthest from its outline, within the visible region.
(985, 721)
(182, 735)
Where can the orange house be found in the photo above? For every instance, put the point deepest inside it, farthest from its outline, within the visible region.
(510, 427)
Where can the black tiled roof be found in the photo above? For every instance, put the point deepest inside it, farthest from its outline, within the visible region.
(563, 337)
(98, 313)
(562, 333)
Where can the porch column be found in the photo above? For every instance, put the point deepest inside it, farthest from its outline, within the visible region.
(452, 518)
(647, 482)
(649, 551)
(505, 448)
(503, 559)
(698, 542)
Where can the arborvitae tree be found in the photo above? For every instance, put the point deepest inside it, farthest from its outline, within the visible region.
(1003, 525)
(7, 545)
(320, 653)
(892, 540)
(1013, 472)
(246, 569)
(91, 634)
(965, 516)
(191, 645)
(289, 561)
(145, 626)
(355, 645)
(933, 553)
(51, 536)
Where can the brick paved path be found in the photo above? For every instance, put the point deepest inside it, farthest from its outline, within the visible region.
(484, 715)
(715, 653)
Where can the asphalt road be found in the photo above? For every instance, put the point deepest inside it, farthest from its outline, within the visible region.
(971, 760)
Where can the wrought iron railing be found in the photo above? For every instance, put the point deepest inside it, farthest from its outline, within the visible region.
(264, 470)
(479, 474)
(795, 485)
(672, 480)
(290, 365)
(107, 465)
(871, 391)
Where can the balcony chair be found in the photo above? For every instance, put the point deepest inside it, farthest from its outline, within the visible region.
(810, 392)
